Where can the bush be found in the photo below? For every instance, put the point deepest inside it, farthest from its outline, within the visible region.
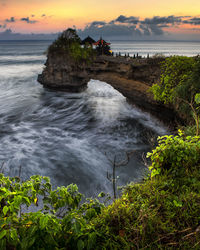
(70, 43)
(179, 84)
(59, 219)
(176, 70)
(177, 155)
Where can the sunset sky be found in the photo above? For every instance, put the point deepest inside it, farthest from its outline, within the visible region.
(125, 17)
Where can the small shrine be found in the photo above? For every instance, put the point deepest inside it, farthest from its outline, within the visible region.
(102, 47)
(88, 40)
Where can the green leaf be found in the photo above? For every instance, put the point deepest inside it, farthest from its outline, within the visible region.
(13, 234)
(91, 241)
(102, 194)
(197, 98)
(5, 210)
(77, 227)
(155, 172)
(80, 245)
(43, 221)
(2, 234)
(177, 203)
(31, 242)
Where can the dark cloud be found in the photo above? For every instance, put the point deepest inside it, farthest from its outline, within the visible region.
(124, 19)
(27, 20)
(110, 30)
(127, 26)
(156, 20)
(10, 35)
(151, 29)
(32, 15)
(44, 15)
(10, 20)
(8, 31)
(155, 25)
(194, 21)
(146, 31)
(3, 26)
(98, 23)
(156, 30)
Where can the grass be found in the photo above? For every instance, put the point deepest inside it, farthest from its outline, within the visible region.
(161, 213)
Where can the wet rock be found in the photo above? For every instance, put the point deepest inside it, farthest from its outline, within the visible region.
(131, 77)
(62, 73)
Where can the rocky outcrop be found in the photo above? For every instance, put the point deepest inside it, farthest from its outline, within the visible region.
(131, 77)
(63, 73)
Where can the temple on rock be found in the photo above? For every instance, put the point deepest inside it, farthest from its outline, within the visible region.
(102, 47)
(88, 40)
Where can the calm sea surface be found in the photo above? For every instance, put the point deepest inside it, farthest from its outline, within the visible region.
(167, 48)
(65, 136)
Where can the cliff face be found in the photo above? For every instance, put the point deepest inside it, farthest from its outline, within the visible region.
(131, 77)
(63, 73)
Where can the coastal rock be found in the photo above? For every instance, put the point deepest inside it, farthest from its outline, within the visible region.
(131, 77)
(62, 73)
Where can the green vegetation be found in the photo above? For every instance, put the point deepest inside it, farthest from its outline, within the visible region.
(163, 212)
(176, 80)
(61, 221)
(70, 43)
(174, 152)
(79, 54)
(180, 86)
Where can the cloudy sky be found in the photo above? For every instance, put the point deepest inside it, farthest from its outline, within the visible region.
(129, 19)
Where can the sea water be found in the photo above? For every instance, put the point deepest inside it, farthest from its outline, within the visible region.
(70, 137)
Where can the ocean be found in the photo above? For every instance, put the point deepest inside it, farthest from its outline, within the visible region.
(71, 137)
(151, 48)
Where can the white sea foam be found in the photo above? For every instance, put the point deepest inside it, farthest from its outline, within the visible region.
(21, 58)
(65, 135)
(20, 71)
(110, 105)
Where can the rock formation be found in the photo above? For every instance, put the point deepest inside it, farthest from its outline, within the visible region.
(64, 69)
(63, 73)
(131, 77)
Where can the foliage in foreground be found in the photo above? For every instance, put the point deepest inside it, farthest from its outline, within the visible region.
(59, 222)
(163, 212)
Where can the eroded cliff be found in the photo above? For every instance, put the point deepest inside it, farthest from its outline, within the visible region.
(131, 77)
(62, 72)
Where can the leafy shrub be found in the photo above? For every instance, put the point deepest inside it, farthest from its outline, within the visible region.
(59, 218)
(69, 42)
(79, 54)
(64, 40)
(175, 154)
(176, 70)
(179, 84)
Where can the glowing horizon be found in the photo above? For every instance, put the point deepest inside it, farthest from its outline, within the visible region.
(35, 16)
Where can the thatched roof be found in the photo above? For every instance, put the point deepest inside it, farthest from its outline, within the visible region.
(88, 40)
